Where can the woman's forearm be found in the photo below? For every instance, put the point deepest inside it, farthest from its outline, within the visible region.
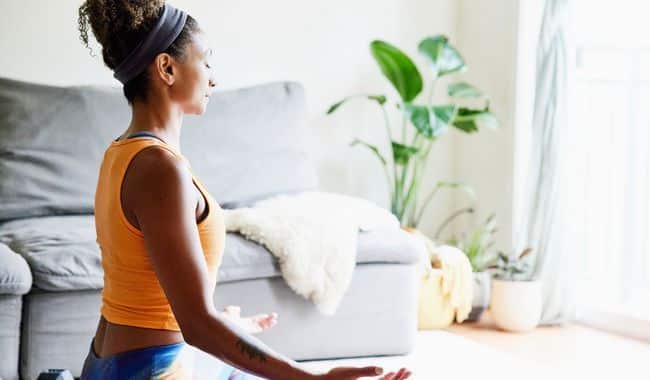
(226, 340)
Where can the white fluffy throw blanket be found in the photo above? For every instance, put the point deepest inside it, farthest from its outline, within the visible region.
(314, 236)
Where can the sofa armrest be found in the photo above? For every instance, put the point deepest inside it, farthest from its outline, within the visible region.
(15, 275)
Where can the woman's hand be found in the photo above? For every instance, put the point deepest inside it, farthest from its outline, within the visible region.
(254, 324)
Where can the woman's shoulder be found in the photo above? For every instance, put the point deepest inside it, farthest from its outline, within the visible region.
(156, 172)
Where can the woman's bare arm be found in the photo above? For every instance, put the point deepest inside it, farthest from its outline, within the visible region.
(164, 205)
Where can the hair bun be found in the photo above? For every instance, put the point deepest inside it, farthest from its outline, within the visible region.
(113, 21)
(136, 12)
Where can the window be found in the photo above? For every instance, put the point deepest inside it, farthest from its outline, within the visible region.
(611, 151)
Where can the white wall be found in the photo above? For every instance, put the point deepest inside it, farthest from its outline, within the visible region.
(324, 45)
(487, 38)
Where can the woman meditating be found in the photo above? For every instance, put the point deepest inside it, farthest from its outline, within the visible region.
(161, 233)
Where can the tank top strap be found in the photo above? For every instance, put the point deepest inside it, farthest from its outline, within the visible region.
(161, 142)
(155, 140)
(141, 134)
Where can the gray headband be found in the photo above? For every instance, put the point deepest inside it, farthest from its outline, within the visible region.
(167, 28)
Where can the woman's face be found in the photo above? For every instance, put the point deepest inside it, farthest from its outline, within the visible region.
(195, 77)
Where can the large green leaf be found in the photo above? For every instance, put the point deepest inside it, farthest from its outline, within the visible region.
(403, 153)
(381, 99)
(419, 117)
(444, 113)
(444, 58)
(398, 68)
(429, 124)
(463, 90)
(469, 120)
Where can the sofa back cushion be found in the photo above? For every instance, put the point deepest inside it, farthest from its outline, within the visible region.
(52, 139)
(251, 143)
(51, 142)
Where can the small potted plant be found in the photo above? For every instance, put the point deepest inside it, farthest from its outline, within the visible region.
(516, 302)
(477, 248)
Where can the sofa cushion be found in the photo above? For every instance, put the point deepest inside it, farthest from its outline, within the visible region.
(52, 140)
(64, 255)
(15, 277)
(252, 142)
(61, 251)
(245, 259)
(250, 202)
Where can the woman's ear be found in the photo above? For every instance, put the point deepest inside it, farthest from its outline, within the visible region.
(164, 68)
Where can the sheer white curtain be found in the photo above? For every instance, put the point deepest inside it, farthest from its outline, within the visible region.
(545, 221)
(586, 208)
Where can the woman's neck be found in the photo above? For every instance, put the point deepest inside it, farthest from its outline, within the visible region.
(159, 118)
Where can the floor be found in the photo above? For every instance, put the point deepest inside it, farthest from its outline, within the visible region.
(441, 354)
(574, 347)
(438, 354)
(481, 351)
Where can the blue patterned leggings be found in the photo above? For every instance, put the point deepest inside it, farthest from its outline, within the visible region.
(171, 361)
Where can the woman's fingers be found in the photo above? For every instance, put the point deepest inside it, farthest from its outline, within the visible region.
(254, 324)
(266, 318)
(263, 321)
(402, 374)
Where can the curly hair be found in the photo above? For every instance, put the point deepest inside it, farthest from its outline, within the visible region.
(119, 25)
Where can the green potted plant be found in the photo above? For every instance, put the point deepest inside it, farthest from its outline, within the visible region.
(423, 123)
(516, 302)
(477, 246)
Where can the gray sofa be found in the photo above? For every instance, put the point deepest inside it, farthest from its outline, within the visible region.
(249, 144)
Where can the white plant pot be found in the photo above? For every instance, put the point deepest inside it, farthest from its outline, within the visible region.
(481, 295)
(516, 305)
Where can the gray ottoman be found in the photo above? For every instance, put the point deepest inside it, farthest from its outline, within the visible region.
(15, 280)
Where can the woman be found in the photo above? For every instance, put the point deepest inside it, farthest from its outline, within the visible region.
(160, 231)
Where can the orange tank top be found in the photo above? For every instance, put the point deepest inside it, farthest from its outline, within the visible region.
(132, 294)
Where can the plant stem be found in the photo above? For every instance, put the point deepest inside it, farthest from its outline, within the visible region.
(424, 158)
(402, 182)
(411, 197)
(427, 199)
(391, 190)
(403, 125)
(395, 204)
(450, 218)
(399, 182)
(387, 123)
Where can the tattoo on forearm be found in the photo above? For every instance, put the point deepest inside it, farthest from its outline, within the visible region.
(250, 350)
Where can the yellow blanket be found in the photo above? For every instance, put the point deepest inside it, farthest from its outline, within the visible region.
(446, 289)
